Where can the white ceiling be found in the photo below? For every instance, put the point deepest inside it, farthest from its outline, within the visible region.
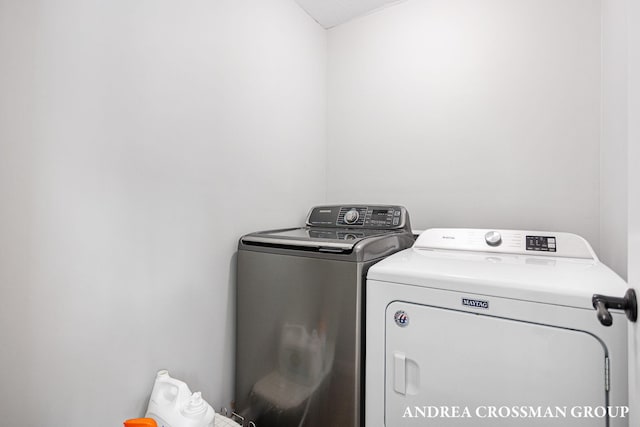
(330, 13)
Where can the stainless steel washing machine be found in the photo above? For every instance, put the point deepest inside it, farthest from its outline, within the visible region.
(299, 348)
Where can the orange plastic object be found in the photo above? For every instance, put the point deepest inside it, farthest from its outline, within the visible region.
(140, 422)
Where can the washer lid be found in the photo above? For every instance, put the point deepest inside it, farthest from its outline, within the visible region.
(534, 276)
(329, 239)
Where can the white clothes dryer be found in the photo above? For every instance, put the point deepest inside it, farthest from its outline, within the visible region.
(495, 328)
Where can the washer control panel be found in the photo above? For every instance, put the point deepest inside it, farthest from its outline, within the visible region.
(380, 217)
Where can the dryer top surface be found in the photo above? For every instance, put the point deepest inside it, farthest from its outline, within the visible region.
(537, 276)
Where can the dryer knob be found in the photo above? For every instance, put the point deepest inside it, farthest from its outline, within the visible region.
(493, 238)
(351, 216)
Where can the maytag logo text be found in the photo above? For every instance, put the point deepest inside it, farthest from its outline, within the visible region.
(475, 303)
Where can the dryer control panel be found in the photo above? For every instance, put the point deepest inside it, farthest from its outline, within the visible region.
(522, 242)
(381, 217)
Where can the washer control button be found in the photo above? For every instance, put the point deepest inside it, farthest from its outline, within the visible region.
(493, 238)
(351, 216)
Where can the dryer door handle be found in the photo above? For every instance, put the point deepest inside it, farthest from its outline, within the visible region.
(399, 373)
(603, 303)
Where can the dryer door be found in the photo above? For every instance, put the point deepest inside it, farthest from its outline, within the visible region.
(454, 368)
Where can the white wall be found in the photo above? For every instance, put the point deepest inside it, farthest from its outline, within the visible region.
(620, 157)
(613, 141)
(633, 25)
(138, 141)
(473, 114)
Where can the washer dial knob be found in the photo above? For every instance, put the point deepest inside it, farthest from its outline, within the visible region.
(493, 238)
(351, 216)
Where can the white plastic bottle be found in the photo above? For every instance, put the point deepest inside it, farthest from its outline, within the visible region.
(173, 405)
(196, 412)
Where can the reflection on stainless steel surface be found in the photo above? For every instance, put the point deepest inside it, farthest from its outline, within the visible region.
(298, 346)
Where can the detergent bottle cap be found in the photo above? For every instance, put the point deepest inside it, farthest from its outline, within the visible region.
(141, 422)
